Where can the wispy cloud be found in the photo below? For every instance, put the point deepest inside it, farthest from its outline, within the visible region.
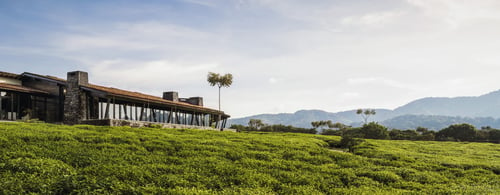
(285, 54)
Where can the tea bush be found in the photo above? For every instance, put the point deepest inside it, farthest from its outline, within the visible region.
(55, 159)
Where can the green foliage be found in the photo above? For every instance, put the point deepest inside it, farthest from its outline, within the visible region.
(220, 80)
(350, 142)
(255, 124)
(374, 130)
(459, 132)
(396, 134)
(82, 159)
(366, 114)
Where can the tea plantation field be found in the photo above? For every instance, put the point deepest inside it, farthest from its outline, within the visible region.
(55, 159)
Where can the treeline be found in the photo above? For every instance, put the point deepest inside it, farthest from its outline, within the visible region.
(258, 125)
(373, 130)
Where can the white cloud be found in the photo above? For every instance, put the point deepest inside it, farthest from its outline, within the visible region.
(455, 13)
(201, 2)
(289, 55)
(372, 19)
(159, 72)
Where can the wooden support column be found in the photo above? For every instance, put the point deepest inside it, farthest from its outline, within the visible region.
(114, 108)
(125, 111)
(170, 115)
(177, 117)
(106, 114)
(45, 109)
(119, 111)
(192, 118)
(131, 107)
(1, 113)
(136, 113)
(153, 115)
(142, 112)
(18, 107)
(101, 111)
(11, 106)
(223, 124)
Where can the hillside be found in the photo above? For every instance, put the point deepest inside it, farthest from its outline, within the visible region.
(438, 122)
(54, 159)
(487, 105)
(303, 118)
(433, 113)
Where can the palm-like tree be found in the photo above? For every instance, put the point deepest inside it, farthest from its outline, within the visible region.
(366, 113)
(215, 79)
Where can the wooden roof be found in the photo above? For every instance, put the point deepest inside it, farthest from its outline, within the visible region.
(153, 99)
(45, 77)
(134, 96)
(9, 75)
(19, 88)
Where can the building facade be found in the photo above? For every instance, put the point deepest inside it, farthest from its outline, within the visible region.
(76, 101)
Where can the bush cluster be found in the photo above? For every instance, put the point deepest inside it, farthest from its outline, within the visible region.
(456, 132)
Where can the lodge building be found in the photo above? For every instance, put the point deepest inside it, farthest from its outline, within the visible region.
(76, 101)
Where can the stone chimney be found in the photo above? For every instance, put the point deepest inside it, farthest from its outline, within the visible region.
(195, 101)
(171, 95)
(75, 102)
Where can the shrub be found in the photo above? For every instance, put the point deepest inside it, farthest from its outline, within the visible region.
(350, 142)
(374, 130)
(459, 132)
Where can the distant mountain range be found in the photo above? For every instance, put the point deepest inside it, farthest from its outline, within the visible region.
(433, 113)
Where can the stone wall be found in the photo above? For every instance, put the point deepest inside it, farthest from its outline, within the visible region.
(75, 103)
(117, 122)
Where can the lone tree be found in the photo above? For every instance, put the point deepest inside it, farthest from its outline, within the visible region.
(255, 124)
(221, 81)
(366, 113)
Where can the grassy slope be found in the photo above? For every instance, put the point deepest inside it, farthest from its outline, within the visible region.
(44, 158)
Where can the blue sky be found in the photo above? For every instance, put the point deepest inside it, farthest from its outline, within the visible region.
(285, 55)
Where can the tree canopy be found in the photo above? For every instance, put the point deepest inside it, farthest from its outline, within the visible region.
(366, 113)
(215, 79)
